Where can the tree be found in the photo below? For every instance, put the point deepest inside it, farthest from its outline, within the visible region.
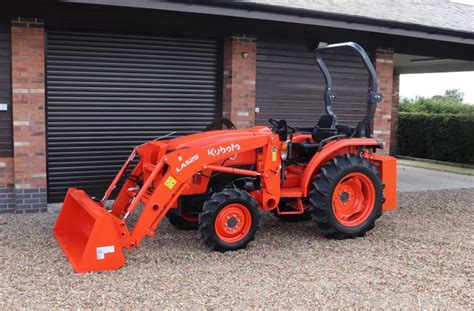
(454, 95)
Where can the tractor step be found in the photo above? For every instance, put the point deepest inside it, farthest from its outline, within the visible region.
(290, 207)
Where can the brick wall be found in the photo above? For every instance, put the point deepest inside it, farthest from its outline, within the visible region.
(383, 59)
(239, 80)
(7, 190)
(29, 138)
(395, 109)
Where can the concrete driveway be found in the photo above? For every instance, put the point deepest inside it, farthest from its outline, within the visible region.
(421, 179)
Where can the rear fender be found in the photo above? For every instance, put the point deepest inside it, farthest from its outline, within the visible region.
(329, 151)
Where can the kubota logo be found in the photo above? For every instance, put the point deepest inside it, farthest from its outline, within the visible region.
(187, 162)
(215, 151)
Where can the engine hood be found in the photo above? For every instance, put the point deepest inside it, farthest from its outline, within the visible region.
(211, 137)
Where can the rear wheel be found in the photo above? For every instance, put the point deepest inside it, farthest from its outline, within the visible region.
(346, 197)
(229, 220)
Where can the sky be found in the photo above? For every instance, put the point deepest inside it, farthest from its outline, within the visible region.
(430, 84)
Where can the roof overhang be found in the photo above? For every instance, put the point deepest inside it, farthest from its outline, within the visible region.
(408, 64)
(299, 16)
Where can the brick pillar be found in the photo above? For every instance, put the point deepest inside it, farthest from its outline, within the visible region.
(7, 189)
(28, 89)
(383, 115)
(395, 109)
(239, 80)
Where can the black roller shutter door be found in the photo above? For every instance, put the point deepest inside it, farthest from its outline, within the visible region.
(6, 128)
(107, 93)
(290, 85)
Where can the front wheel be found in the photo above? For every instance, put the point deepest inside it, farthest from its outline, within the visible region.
(229, 220)
(346, 197)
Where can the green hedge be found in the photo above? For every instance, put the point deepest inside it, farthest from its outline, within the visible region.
(438, 137)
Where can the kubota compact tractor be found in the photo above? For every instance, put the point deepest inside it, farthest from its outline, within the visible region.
(220, 181)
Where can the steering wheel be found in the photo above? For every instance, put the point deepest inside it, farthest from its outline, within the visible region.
(281, 128)
(217, 125)
(275, 123)
(281, 125)
(291, 129)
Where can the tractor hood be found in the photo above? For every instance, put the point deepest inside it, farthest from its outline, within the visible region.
(212, 137)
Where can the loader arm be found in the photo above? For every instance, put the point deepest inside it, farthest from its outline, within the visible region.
(92, 237)
(182, 165)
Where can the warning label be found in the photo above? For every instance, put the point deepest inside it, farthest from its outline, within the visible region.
(274, 154)
(101, 251)
(170, 182)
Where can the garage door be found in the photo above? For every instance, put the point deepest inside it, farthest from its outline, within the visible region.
(6, 133)
(290, 85)
(107, 93)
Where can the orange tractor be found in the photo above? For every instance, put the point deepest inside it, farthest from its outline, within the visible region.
(220, 181)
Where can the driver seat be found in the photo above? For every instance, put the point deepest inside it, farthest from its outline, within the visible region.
(325, 128)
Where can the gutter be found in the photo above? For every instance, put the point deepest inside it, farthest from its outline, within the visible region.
(293, 15)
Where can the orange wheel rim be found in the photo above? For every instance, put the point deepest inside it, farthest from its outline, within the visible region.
(189, 217)
(233, 223)
(353, 199)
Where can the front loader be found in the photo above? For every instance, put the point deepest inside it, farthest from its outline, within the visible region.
(220, 181)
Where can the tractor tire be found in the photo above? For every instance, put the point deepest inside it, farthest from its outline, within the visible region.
(183, 222)
(291, 218)
(346, 197)
(229, 220)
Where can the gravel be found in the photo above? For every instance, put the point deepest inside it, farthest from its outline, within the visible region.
(418, 256)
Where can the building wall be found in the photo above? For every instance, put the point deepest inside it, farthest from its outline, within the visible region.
(291, 86)
(395, 110)
(6, 128)
(23, 178)
(7, 199)
(383, 58)
(7, 186)
(240, 54)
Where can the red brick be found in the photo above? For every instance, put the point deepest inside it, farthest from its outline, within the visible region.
(383, 126)
(395, 109)
(28, 88)
(6, 172)
(239, 80)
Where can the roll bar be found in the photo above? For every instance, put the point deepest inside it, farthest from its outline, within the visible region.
(374, 96)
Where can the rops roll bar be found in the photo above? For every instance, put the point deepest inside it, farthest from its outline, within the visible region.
(374, 96)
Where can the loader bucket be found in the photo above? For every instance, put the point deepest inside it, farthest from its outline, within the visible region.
(88, 234)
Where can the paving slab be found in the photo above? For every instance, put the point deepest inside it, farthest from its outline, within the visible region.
(421, 179)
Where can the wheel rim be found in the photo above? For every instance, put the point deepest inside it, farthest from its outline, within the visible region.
(190, 217)
(233, 223)
(353, 199)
